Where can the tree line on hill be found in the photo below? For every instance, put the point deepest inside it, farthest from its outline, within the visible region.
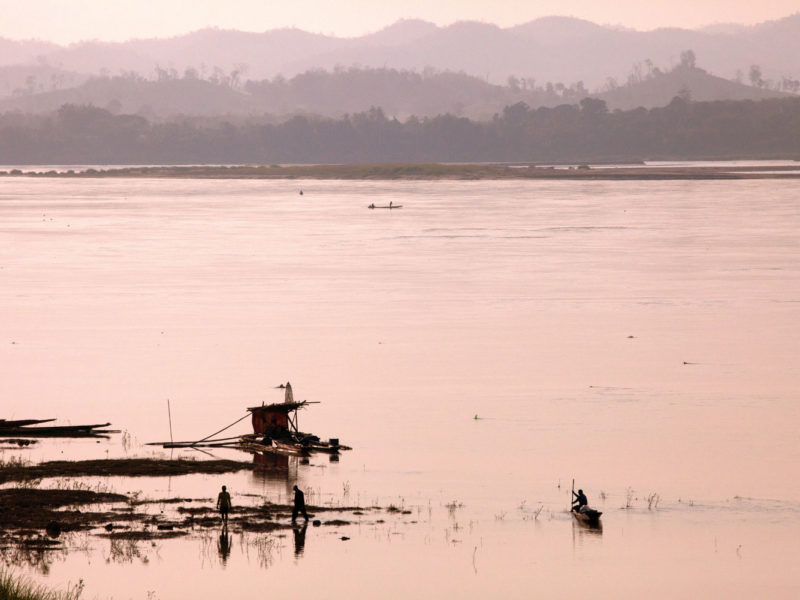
(585, 131)
(400, 93)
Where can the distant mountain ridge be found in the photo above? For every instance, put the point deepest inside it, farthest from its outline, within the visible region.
(548, 49)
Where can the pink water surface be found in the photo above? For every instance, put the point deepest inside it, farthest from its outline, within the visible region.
(640, 337)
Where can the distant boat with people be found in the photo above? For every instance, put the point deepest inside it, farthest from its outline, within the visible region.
(389, 206)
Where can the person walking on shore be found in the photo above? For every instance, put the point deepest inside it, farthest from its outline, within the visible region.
(299, 504)
(224, 505)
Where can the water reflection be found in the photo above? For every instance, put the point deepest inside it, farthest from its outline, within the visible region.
(39, 555)
(126, 551)
(224, 546)
(300, 538)
(274, 467)
(583, 533)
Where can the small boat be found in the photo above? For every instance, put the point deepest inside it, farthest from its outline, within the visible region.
(587, 516)
(389, 206)
(581, 511)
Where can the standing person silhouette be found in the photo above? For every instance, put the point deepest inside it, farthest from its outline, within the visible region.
(299, 504)
(224, 505)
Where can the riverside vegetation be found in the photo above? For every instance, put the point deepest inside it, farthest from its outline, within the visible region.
(586, 131)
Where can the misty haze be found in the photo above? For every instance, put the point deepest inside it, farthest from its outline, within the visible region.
(448, 309)
(251, 89)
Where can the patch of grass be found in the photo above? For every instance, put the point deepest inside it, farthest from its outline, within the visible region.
(139, 536)
(261, 526)
(17, 588)
(629, 498)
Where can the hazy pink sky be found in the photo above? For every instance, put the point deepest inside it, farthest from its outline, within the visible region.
(72, 20)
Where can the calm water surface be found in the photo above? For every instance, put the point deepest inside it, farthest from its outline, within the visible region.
(640, 337)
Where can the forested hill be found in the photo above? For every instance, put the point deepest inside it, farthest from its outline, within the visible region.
(578, 132)
(688, 82)
(346, 91)
(317, 92)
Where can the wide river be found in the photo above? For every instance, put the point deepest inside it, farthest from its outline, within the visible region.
(641, 337)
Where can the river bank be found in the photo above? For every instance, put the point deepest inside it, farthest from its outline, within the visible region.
(428, 171)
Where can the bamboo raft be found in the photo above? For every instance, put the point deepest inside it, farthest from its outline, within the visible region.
(254, 444)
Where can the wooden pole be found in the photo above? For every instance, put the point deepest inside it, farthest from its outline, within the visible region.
(224, 428)
(573, 494)
(169, 413)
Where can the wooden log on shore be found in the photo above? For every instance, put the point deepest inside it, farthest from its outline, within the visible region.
(23, 422)
(95, 430)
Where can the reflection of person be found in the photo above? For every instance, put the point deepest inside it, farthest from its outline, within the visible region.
(300, 538)
(580, 500)
(224, 504)
(224, 545)
(299, 504)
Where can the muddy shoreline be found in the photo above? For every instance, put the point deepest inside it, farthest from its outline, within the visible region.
(41, 516)
(125, 467)
(430, 171)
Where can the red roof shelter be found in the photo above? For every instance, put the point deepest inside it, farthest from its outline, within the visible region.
(283, 414)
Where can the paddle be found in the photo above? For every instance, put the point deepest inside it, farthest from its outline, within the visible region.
(572, 498)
